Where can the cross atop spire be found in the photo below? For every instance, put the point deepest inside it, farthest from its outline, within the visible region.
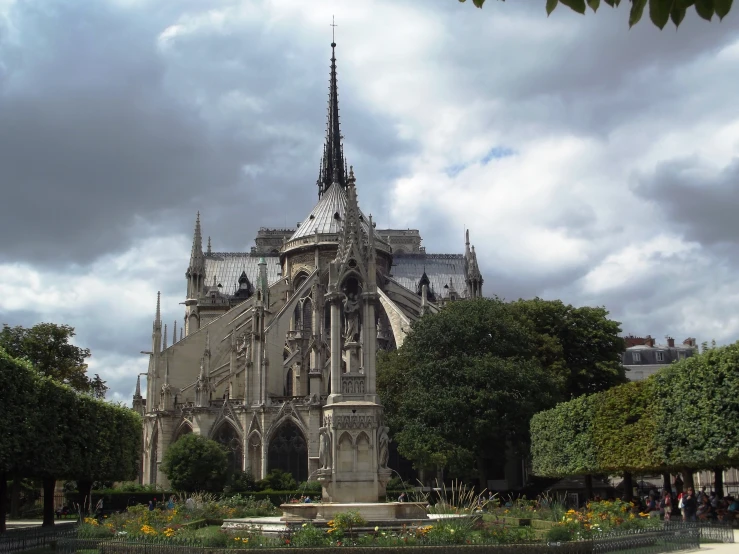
(333, 165)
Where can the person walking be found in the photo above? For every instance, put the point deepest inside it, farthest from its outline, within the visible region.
(690, 505)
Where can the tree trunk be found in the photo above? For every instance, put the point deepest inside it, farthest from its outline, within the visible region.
(85, 499)
(482, 474)
(3, 500)
(588, 487)
(628, 487)
(688, 479)
(718, 481)
(666, 482)
(15, 498)
(49, 485)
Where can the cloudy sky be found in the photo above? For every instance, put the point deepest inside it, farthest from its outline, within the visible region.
(591, 162)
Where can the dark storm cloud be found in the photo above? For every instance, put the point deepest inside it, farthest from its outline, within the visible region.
(701, 203)
(99, 130)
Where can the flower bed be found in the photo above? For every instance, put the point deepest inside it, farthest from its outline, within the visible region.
(180, 522)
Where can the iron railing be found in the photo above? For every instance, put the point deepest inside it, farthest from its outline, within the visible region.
(671, 537)
(28, 538)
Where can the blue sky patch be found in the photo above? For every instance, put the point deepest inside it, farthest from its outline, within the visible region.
(497, 153)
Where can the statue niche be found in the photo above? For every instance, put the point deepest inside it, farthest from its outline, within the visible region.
(352, 327)
(351, 303)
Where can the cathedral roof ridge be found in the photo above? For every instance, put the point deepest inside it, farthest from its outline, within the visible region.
(426, 255)
(217, 255)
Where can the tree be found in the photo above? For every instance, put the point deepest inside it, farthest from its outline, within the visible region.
(98, 387)
(580, 346)
(16, 386)
(464, 386)
(683, 418)
(195, 463)
(660, 11)
(46, 346)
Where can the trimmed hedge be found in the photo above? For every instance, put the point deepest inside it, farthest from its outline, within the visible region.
(562, 438)
(52, 432)
(685, 416)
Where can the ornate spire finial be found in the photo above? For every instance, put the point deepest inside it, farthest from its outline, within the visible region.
(333, 166)
(138, 387)
(209, 250)
(158, 316)
(164, 339)
(197, 239)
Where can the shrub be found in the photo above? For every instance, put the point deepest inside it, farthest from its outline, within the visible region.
(559, 533)
(309, 536)
(195, 463)
(277, 480)
(310, 487)
(242, 481)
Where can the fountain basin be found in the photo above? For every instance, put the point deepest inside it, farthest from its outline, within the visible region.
(376, 512)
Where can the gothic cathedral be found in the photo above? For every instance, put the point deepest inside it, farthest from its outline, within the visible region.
(276, 356)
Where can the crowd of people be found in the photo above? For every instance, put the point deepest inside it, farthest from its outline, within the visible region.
(691, 506)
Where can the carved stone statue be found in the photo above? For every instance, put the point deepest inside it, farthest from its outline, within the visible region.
(351, 317)
(383, 447)
(324, 449)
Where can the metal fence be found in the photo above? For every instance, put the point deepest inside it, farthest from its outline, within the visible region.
(667, 539)
(28, 538)
(671, 537)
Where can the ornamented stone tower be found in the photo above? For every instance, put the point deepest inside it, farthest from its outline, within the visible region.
(353, 447)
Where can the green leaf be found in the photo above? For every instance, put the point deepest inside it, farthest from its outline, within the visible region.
(684, 3)
(659, 12)
(677, 15)
(594, 5)
(551, 4)
(722, 7)
(637, 9)
(575, 5)
(478, 3)
(704, 9)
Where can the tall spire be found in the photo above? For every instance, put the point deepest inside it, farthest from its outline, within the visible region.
(197, 240)
(333, 166)
(158, 316)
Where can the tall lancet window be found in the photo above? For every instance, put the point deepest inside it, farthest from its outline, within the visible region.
(307, 316)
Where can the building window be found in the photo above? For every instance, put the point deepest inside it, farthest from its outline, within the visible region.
(636, 357)
(660, 356)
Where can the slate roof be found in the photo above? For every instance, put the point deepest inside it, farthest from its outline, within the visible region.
(440, 268)
(322, 217)
(227, 268)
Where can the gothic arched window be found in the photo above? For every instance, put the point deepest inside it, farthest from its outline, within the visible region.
(289, 383)
(307, 316)
(229, 438)
(288, 451)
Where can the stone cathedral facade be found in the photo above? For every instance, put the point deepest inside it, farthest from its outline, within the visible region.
(276, 356)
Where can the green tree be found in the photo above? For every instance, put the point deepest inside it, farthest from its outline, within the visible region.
(98, 387)
(463, 386)
(46, 346)
(17, 386)
(195, 463)
(580, 346)
(660, 11)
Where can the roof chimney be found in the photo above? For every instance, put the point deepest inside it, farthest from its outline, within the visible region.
(649, 341)
(670, 342)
